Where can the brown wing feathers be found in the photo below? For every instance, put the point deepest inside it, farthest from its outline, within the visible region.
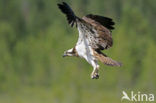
(105, 21)
(106, 60)
(104, 35)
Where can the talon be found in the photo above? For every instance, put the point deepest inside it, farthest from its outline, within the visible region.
(95, 76)
(92, 77)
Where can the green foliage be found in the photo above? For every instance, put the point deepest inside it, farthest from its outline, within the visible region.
(34, 34)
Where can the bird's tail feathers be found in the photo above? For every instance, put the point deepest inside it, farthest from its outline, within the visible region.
(107, 60)
(71, 17)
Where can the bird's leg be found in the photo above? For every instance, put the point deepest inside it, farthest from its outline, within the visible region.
(95, 72)
(92, 74)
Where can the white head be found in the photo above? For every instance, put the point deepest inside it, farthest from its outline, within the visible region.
(70, 52)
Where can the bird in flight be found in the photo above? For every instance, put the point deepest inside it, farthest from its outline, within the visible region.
(94, 36)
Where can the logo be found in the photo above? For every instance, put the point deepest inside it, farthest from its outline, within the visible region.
(140, 97)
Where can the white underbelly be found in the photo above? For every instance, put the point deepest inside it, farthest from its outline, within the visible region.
(85, 51)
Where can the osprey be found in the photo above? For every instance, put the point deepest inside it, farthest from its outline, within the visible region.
(94, 36)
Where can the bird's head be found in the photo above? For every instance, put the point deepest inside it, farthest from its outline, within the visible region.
(70, 52)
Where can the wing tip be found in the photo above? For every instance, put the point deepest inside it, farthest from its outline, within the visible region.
(119, 64)
(115, 63)
(105, 21)
(66, 9)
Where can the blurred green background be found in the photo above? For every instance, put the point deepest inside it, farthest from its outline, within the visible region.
(34, 34)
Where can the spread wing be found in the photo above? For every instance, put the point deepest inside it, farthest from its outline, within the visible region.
(105, 59)
(97, 30)
(105, 21)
